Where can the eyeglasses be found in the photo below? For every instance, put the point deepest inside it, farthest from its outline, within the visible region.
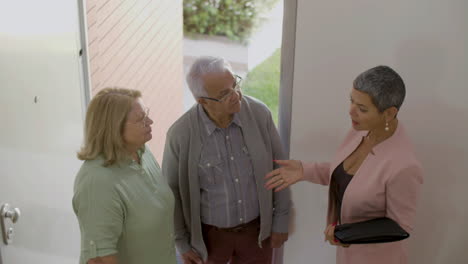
(236, 89)
(143, 121)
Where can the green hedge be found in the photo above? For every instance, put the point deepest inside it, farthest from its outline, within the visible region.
(235, 19)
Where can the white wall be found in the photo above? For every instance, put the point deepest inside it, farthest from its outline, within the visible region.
(426, 41)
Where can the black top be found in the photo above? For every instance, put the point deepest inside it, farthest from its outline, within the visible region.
(340, 180)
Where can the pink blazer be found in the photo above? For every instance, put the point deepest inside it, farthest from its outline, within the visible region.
(387, 184)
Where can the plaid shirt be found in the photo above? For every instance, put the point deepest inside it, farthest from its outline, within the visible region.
(228, 189)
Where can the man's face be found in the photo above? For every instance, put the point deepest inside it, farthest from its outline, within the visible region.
(221, 86)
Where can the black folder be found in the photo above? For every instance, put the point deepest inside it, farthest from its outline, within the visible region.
(379, 230)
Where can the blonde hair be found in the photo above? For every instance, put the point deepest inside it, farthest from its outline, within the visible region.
(105, 119)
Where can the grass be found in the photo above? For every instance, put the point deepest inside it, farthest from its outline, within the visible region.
(263, 82)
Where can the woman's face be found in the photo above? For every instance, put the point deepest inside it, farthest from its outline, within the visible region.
(364, 114)
(137, 129)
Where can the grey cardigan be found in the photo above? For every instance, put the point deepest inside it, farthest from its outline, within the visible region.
(180, 167)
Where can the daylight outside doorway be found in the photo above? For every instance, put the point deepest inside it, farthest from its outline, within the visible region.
(247, 33)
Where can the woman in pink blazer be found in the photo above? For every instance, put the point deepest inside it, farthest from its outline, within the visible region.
(374, 173)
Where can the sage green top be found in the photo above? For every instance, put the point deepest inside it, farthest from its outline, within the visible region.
(125, 210)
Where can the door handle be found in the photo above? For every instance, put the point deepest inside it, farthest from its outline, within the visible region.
(13, 214)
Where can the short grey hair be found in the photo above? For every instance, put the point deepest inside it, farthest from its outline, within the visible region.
(201, 66)
(383, 85)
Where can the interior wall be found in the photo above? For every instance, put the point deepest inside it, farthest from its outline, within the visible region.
(138, 45)
(426, 42)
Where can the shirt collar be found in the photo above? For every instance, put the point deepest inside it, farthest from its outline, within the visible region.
(210, 126)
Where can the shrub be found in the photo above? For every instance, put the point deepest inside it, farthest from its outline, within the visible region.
(235, 19)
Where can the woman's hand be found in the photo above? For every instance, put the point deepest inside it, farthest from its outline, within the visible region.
(291, 171)
(330, 236)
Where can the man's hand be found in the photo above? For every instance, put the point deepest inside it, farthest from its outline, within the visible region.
(191, 257)
(278, 239)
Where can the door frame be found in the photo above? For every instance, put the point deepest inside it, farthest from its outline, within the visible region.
(288, 52)
(288, 49)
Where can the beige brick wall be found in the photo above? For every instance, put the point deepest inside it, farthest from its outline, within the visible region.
(137, 44)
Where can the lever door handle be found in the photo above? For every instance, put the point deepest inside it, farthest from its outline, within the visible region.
(12, 213)
(6, 211)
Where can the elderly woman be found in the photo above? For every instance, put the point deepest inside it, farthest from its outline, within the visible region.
(124, 207)
(374, 173)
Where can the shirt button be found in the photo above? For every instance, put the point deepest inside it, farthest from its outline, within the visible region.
(242, 219)
(240, 201)
(208, 164)
(91, 242)
(227, 137)
(232, 158)
(237, 180)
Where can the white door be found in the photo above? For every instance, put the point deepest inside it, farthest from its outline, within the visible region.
(41, 117)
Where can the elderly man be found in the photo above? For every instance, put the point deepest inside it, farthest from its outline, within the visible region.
(215, 159)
